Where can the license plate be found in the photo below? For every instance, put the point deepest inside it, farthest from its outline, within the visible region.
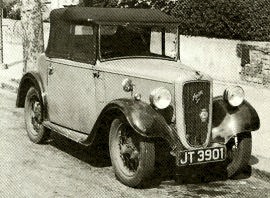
(200, 156)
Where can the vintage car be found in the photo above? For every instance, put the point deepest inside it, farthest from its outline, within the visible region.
(115, 75)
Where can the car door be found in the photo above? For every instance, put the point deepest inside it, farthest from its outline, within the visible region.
(71, 85)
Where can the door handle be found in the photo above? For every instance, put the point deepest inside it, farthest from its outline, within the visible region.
(96, 74)
(51, 70)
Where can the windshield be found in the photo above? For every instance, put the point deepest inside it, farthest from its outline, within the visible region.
(139, 41)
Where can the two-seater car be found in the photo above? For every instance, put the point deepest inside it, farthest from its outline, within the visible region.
(115, 75)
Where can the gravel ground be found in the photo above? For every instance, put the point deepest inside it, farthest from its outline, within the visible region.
(63, 168)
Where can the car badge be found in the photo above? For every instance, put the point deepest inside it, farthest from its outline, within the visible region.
(197, 96)
(199, 75)
(204, 115)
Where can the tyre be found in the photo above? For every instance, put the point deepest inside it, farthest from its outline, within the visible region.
(33, 113)
(238, 158)
(132, 157)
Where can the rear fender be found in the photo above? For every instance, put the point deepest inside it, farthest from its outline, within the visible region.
(30, 79)
(229, 121)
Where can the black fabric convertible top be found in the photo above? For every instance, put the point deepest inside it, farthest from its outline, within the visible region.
(112, 15)
(62, 19)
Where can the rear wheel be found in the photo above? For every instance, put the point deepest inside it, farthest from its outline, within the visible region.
(132, 157)
(238, 157)
(33, 111)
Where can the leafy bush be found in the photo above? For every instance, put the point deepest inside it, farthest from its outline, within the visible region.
(12, 9)
(232, 19)
(164, 5)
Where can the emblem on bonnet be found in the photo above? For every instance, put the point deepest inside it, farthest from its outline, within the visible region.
(197, 96)
(199, 75)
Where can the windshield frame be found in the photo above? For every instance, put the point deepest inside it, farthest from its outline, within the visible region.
(175, 59)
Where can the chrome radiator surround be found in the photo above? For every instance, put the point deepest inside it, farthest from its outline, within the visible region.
(180, 113)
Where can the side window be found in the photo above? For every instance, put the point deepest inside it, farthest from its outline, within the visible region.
(58, 46)
(163, 41)
(83, 44)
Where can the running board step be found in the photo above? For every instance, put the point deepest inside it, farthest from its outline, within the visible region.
(73, 135)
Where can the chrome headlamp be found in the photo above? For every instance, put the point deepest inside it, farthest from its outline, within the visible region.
(160, 98)
(234, 96)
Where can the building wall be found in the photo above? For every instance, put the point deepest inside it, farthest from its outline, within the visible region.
(61, 3)
(216, 57)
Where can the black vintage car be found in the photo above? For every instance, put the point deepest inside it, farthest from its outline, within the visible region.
(114, 75)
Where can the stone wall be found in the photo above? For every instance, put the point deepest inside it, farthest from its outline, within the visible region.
(256, 64)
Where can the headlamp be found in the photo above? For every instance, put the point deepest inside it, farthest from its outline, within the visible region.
(160, 98)
(234, 95)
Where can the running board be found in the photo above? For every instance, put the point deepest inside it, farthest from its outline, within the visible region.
(70, 134)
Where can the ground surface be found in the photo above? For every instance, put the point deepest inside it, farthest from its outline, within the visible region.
(62, 168)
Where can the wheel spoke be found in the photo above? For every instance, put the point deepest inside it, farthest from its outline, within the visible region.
(134, 155)
(128, 151)
(36, 114)
(125, 149)
(132, 165)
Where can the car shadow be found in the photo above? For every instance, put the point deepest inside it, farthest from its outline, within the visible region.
(182, 176)
(166, 173)
(203, 175)
(94, 155)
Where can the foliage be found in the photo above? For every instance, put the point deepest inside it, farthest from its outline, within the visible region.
(164, 5)
(12, 9)
(232, 19)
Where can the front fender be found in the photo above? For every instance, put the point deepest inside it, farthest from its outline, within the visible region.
(143, 118)
(229, 121)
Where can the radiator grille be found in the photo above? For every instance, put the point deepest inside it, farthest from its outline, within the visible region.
(196, 98)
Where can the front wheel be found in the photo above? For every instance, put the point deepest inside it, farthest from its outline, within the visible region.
(132, 157)
(33, 113)
(238, 157)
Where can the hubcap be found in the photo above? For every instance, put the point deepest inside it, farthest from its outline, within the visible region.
(129, 149)
(36, 115)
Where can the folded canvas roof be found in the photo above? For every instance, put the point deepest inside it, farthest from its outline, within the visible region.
(112, 15)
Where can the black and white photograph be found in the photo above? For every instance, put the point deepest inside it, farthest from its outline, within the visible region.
(135, 98)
